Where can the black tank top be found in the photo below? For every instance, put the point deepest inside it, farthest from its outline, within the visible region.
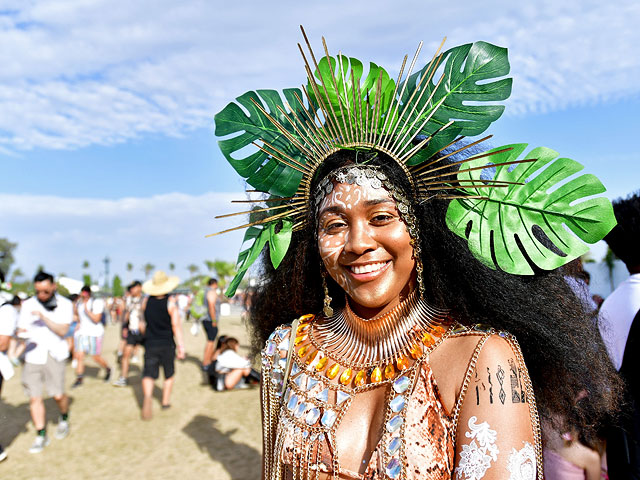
(159, 331)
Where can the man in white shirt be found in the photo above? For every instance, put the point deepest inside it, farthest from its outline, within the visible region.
(44, 320)
(619, 325)
(8, 322)
(88, 340)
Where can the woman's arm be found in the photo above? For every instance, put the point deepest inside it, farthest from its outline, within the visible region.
(176, 325)
(495, 431)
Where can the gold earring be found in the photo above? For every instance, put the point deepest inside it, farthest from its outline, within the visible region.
(327, 310)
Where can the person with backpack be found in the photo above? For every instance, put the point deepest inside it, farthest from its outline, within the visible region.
(88, 340)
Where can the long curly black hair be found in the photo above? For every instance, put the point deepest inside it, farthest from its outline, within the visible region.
(563, 350)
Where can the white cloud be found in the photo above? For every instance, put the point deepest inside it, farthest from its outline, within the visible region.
(102, 72)
(60, 233)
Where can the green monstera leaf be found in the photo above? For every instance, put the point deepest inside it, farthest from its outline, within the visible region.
(463, 68)
(259, 236)
(260, 170)
(565, 216)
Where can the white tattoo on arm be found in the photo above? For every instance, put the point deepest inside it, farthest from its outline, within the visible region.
(476, 457)
(522, 463)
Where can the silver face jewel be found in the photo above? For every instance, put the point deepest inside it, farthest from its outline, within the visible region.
(323, 395)
(284, 345)
(282, 363)
(294, 370)
(312, 416)
(328, 418)
(393, 446)
(394, 424)
(397, 404)
(341, 397)
(301, 381)
(393, 468)
(401, 384)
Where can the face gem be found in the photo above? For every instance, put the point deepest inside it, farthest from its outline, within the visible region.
(393, 446)
(401, 384)
(395, 423)
(291, 404)
(393, 468)
(323, 396)
(300, 410)
(328, 418)
(301, 381)
(284, 345)
(397, 404)
(295, 370)
(282, 363)
(341, 397)
(312, 416)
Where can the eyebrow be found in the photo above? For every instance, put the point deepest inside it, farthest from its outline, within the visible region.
(367, 203)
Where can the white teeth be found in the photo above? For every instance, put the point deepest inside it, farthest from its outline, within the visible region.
(372, 267)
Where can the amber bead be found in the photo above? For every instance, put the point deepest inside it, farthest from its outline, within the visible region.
(439, 329)
(333, 370)
(427, 340)
(306, 318)
(376, 375)
(416, 351)
(302, 328)
(361, 378)
(321, 364)
(300, 339)
(303, 351)
(346, 376)
(402, 363)
(389, 371)
(312, 356)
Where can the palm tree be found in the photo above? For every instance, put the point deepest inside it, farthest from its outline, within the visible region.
(16, 274)
(193, 269)
(85, 264)
(223, 270)
(129, 266)
(147, 268)
(211, 266)
(172, 266)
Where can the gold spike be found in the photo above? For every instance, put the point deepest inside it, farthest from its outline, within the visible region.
(515, 162)
(408, 128)
(452, 197)
(404, 86)
(258, 222)
(310, 140)
(299, 169)
(433, 59)
(475, 157)
(326, 131)
(257, 210)
(344, 85)
(377, 108)
(282, 129)
(458, 187)
(411, 152)
(479, 182)
(320, 132)
(335, 86)
(315, 63)
(266, 200)
(422, 167)
(393, 97)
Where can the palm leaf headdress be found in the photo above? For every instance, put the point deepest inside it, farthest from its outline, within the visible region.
(419, 120)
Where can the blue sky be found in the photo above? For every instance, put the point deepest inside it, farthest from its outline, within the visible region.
(106, 108)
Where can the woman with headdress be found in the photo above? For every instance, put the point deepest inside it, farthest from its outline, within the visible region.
(431, 328)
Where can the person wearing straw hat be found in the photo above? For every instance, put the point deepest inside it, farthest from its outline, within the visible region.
(163, 325)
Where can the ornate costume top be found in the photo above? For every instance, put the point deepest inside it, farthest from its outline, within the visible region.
(420, 439)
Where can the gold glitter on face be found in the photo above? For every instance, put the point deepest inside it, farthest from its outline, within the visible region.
(365, 245)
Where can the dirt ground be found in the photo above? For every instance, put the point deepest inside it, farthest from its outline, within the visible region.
(206, 434)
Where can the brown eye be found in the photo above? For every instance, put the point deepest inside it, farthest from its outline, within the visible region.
(382, 218)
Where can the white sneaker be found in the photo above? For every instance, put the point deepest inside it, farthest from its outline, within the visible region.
(63, 429)
(38, 444)
(121, 382)
(3, 454)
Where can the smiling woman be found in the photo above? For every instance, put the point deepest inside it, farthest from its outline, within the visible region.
(432, 328)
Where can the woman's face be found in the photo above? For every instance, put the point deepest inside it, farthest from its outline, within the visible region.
(365, 246)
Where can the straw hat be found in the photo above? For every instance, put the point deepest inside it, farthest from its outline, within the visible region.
(160, 284)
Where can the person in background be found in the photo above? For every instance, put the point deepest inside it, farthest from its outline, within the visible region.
(234, 370)
(163, 329)
(8, 322)
(135, 327)
(619, 324)
(44, 320)
(90, 334)
(69, 337)
(210, 321)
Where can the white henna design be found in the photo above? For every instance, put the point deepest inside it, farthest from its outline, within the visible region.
(522, 463)
(476, 457)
